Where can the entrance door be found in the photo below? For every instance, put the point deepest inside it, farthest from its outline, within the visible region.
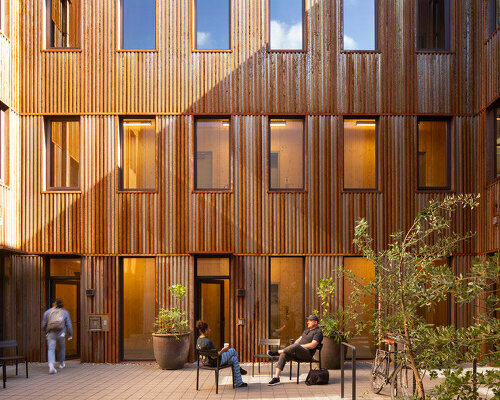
(211, 308)
(69, 292)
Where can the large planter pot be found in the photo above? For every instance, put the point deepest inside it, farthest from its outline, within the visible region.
(171, 351)
(330, 353)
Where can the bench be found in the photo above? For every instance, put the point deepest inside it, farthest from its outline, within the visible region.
(216, 368)
(6, 344)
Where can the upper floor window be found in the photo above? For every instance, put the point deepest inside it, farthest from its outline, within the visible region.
(286, 26)
(63, 153)
(492, 16)
(433, 24)
(4, 143)
(433, 155)
(286, 154)
(138, 24)
(360, 154)
(495, 129)
(3, 16)
(359, 29)
(212, 22)
(138, 154)
(63, 23)
(212, 154)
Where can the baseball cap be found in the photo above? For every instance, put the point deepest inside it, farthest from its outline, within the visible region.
(313, 317)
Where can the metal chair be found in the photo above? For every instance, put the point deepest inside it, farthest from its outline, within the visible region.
(313, 360)
(216, 368)
(263, 343)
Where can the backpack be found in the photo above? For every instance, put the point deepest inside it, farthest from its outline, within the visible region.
(56, 321)
(317, 377)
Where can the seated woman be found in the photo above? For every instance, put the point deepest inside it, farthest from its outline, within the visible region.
(227, 355)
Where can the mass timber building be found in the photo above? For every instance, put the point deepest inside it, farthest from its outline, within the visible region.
(141, 149)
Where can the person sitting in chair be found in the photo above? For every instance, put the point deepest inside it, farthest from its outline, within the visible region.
(302, 350)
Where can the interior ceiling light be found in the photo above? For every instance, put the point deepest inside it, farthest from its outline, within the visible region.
(225, 123)
(365, 123)
(278, 123)
(137, 123)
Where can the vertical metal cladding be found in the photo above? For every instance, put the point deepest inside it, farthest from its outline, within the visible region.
(491, 62)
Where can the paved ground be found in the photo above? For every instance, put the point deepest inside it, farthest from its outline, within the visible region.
(147, 381)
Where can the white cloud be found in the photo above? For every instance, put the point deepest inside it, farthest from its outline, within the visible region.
(203, 40)
(286, 37)
(350, 43)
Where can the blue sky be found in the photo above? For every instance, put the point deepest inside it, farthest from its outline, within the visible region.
(212, 24)
(285, 24)
(139, 24)
(359, 24)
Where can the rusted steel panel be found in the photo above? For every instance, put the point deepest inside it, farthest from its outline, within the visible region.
(436, 83)
(491, 62)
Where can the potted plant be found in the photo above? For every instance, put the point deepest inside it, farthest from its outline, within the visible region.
(171, 333)
(335, 325)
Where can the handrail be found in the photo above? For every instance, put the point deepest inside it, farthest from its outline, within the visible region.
(342, 369)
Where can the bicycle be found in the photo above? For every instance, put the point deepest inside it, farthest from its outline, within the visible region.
(402, 379)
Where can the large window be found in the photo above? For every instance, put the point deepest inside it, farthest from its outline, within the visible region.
(63, 23)
(360, 29)
(286, 300)
(433, 155)
(138, 308)
(286, 29)
(138, 24)
(286, 154)
(496, 135)
(492, 16)
(212, 22)
(4, 143)
(433, 24)
(360, 154)
(63, 153)
(212, 154)
(3, 16)
(138, 154)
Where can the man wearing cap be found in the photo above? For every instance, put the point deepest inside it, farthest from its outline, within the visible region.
(302, 350)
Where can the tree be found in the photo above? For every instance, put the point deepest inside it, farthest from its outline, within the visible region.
(410, 277)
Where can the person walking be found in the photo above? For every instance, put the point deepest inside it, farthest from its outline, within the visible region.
(56, 323)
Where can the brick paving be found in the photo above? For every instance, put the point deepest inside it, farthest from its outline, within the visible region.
(147, 381)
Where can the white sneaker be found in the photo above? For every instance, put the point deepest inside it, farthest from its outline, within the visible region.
(52, 370)
(62, 365)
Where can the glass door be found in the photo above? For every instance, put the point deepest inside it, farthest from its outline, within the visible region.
(211, 309)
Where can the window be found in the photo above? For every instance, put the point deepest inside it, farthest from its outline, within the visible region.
(286, 302)
(495, 117)
(212, 23)
(63, 23)
(212, 154)
(492, 16)
(433, 155)
(138, 24)
(286, 154)
(63, 153)
(139, 307)
(360, 32)
(138, 154)
(2, 16)
(360, 154)
(433, 24)
(286, 29)
(4, 143)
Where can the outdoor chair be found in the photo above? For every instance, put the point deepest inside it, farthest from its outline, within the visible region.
(5, 344)
(263, 343)
(216, 368)
(313, 360)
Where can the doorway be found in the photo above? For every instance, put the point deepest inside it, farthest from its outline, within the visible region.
(64, 284)
(212, 297)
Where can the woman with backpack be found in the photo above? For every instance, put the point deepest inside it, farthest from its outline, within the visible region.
(56, 322)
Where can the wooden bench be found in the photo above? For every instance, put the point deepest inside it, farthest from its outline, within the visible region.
(216, 368)
(6, 344)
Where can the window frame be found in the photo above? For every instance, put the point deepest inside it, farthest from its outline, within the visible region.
(3, 5)
(4, 131)
(48, 154)
(376, 33)
(304, 31)
(490, 10)
(48, 31)
(120, 185)
(448, 187)
(195, 132)
(194, 31)
(377, 169)
(447, 30)
(303, 189)
(491, 137)
(120, 30)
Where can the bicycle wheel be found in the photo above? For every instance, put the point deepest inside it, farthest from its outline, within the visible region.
(380, 371)
(403, 384)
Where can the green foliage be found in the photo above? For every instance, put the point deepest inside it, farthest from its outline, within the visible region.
(411, 277)
(173, 320)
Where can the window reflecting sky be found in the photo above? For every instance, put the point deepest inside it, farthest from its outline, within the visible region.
(212, 24)
(285, 24)
(359, 24)
(139, 24)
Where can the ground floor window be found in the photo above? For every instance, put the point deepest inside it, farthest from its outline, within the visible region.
(139, 307)
(286, 292)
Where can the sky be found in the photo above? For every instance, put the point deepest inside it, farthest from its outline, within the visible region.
(285, 24)
(359, 24)
(139, 24)
(212, 24)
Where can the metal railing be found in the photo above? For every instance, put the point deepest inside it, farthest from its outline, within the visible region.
(342, 369)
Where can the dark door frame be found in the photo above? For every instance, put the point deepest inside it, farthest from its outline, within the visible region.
(197, 310)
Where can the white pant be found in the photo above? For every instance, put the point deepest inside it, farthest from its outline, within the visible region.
(54, 338)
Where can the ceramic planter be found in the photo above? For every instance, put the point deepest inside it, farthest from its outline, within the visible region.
(171, 351)
(330, 353)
